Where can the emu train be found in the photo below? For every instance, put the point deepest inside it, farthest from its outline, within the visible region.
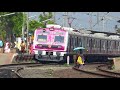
(55, 43)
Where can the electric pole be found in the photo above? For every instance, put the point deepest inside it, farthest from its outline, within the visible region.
(65, 19)
(23, 26)
(103, 24)
(54, 17)
(90, 21)
(98, 19)
(27, 30)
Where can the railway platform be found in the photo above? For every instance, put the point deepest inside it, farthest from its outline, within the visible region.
(6, 58)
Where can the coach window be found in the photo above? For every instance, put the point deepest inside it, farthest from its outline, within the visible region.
(104, 45)
(90, 43)
(84, 41)
(75, 41)
(115, 44)
(96, 43)
(80, 42)
(71, 41)
(108, 44)
(87, 42)
(93, 43)
(118, 46)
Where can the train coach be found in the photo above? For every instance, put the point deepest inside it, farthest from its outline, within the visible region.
(55, 43)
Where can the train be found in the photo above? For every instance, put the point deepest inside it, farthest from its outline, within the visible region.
(56, 43)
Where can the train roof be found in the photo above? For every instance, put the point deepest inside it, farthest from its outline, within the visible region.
(88, 33)
(108, 33)
(100, 35)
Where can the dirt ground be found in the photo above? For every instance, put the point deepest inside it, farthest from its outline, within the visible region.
(56, 72)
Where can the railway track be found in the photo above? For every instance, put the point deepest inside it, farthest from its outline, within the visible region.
(100, 71)
(15, 68)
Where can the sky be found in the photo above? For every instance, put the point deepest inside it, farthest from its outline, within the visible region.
(83, 20)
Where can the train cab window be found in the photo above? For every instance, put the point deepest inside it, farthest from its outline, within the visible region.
(42, 38)
(59, 39)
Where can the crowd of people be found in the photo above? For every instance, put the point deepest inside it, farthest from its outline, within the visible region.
(21, 47)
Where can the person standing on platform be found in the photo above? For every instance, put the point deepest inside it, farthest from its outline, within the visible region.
(7, 47)
(23, 47)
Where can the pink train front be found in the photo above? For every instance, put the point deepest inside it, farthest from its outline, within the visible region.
(50, 44)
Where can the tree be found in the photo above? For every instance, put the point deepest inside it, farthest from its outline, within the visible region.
(11, 24)
(44, 17)
(33, 24)
(43, 20)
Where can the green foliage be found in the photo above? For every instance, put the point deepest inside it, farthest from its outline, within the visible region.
(13, 23)
(33, 24)
(10, 24)
(18, 22)
(45, 17)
